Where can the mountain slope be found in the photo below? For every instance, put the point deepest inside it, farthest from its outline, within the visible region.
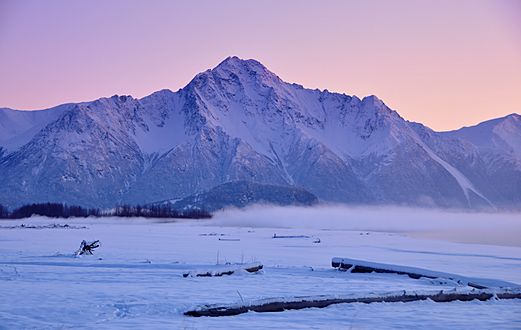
(19, 127)
(242, 193)
(495, 163)
(241, 122)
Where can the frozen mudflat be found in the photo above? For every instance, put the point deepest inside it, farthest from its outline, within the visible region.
(135, 279)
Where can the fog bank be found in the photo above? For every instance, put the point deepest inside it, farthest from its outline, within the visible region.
(468, 227)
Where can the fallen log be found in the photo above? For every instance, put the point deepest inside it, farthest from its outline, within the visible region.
(353, 268)
(271, 305)
(250, 268)
(361, 266)
(289, 236)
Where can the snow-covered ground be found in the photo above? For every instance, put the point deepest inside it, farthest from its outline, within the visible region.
(134, 280)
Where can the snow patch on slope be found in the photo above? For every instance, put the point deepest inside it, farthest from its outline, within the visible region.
(462, 180)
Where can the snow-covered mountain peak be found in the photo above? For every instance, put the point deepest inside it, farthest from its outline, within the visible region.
(236, 65)
(500, 135)
(233, 73)
(509, 131)
(377, 105)
(373, 100)
(510, 122)
(253, 104)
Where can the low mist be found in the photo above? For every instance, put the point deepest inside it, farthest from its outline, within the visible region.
(470, 227)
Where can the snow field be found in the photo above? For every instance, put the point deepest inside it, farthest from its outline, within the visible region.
(134, 280)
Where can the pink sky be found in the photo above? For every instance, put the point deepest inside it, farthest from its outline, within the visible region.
(445, 63)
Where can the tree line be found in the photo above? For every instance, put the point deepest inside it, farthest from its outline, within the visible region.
(58, 210)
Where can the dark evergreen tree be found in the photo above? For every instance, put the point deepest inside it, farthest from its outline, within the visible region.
(52, 210)
(158, 211)
(57, 210)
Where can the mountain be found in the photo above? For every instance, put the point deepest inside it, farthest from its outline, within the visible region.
(243, 193)
(495, 162)
(241, 122)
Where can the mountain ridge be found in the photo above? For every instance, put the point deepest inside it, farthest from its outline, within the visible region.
(241, 122)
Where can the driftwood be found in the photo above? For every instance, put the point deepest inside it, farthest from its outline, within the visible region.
(315, 239)
(289, 236)
(251, 268)
(321, 302)
(479, 292)
(87, 248)
(353, 266)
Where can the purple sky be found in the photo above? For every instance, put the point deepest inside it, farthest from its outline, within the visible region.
(445, 63)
